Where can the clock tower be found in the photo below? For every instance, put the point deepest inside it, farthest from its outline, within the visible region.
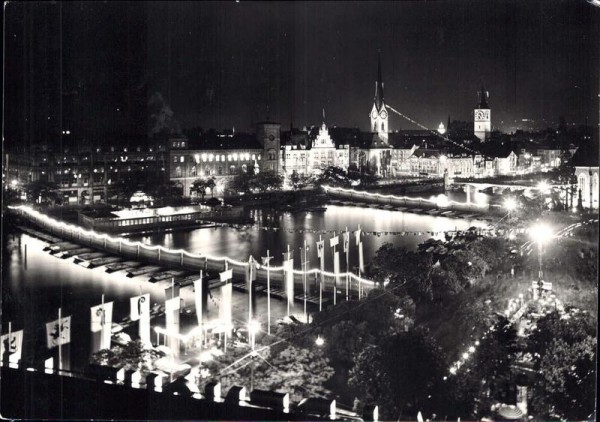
(482, 117)
(379, 114)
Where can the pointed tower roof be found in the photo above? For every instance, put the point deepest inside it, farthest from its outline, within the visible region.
(379, 86)
(483, 98)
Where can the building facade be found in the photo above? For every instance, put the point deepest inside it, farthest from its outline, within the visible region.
(482, 117)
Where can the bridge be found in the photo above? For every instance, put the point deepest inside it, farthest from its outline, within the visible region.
(165, 257)
(405, 203)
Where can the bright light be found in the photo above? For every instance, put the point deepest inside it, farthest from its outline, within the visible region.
(319, 341)
(472, 349)
(453, 370)
(13, 182)
(253, 326)
(543, 187)
(510, 204)
(465, 355)
(442, 201)
(205, 356)
(540, 233)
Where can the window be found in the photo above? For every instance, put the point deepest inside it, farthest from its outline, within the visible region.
(193, 171)
(244, 168)
(175, 159)
(182, 159)
(220, 171)
(178, 172)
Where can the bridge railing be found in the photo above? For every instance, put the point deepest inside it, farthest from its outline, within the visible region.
(195, 262)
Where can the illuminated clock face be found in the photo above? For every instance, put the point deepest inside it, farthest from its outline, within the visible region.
(374, 114)
(482, 115)
(384, 114)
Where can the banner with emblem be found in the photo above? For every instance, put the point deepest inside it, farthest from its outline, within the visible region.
(11, 346)
(334, 241)
(320, 247)
(346, 235)
(336, 267)
(140, 306)
(361, 259)
(357, 234)
(288, 271)
(101, 324)
(172, 307)
(58, 332)
(140, 310)
(225, 307)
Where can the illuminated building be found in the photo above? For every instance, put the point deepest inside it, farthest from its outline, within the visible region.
(482, 117)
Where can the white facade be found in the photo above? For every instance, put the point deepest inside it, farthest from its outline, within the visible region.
(587, 184)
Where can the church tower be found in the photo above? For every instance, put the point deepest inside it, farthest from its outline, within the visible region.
(482, 117)
(379, 114)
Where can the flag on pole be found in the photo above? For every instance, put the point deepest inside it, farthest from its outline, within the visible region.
(11, 346)
(140, 310)
(334, 241)
(140, 306)
(361, 259)
(288, 270)
(357, 234)
(198, 293)
(336, 266)
(320, 247)
(226, 275)
(58, 332)
(225, 309)
(346, 241)
(172, 291)
(101, 322)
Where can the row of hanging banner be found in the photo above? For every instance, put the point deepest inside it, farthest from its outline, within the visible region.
(58, 331)
(479, 231)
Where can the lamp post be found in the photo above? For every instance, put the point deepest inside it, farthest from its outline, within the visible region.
(540, 233)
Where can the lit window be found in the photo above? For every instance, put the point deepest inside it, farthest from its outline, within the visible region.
(204, 157)
(254, 157)
(210, 157)
(235, 157)
(182, 159)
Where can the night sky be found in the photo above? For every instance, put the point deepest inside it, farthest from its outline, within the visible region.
(230, 64)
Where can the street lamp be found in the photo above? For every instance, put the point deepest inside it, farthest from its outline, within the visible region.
(319, 341)
(540, 233)
(543, 187)
(253, 328)
(510, 204)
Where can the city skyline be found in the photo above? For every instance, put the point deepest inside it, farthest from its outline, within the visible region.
(224, 65)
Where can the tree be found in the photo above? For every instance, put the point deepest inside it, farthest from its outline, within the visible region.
(133, 356)
(261, 182)
(299, 181)
(333, 176)
(566, 383)
(200, 186)
(299, 371)
(403, 374)
(44, 191)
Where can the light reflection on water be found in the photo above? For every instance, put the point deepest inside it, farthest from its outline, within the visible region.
(240, 243)
(34, 288)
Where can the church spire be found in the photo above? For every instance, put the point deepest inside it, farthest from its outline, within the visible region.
(379, 85)
(483, 98)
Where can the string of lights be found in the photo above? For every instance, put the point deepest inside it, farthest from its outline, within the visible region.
(445, 138)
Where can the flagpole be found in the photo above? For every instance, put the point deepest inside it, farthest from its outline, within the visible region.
(322, 275)
(9, 340)
(60, 339)
(286, 287)
(334, 276)
(201, 311)
(102, 321)
(304, 276)
(249, 292)
(267, 259)
(347, 247)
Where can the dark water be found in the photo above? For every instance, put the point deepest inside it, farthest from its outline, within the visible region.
(35, 286)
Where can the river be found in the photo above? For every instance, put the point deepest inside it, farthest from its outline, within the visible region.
(36, 285)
